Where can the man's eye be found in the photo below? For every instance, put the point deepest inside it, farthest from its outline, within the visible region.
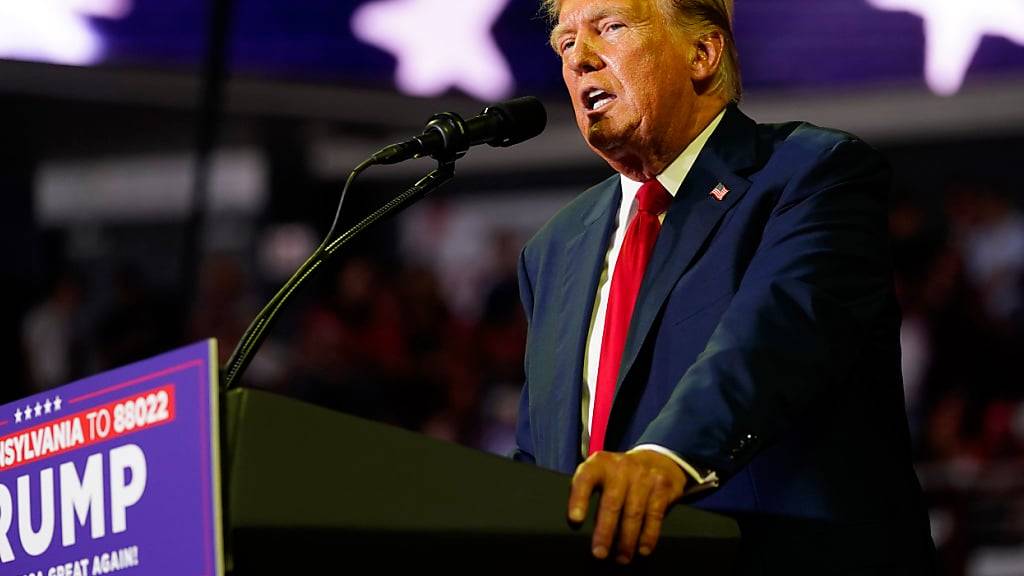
(613, 26)
(567, 45)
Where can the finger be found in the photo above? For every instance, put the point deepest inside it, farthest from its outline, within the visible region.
(587, 475)
(662, 494)
(613, 495)
(653, 519)
(633, 516)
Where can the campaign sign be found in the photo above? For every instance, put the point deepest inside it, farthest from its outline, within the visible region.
(115, 474)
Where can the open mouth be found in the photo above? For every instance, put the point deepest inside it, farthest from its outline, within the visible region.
(597, 99)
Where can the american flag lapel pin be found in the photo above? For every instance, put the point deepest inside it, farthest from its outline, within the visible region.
(719, 192)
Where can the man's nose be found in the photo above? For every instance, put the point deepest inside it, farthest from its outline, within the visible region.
(583, 57)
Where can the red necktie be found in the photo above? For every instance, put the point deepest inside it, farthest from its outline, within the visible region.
(636, 251)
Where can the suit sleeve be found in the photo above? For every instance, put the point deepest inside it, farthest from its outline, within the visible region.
(817, 286)
(523, 451)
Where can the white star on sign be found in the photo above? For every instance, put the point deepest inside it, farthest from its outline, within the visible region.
(17, 416)
(28, 412)
(439, 44)
(47, 405)
(56, 403)
(39, 409)
(953, 31)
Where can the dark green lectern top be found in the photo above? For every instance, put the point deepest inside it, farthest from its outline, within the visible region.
(307, 488)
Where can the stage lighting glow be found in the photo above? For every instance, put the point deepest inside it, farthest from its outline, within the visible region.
(953, 31)
(56, 31)
(439, 44)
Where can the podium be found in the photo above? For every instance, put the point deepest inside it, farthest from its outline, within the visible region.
(309, 489)
(149, 467)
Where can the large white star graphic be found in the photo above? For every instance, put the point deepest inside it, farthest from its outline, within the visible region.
(55, 31)
(953, 31)
(439, 44)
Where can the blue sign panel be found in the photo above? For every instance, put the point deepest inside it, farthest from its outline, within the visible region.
(115, 473)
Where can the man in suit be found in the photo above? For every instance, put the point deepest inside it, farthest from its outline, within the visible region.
(718, 318)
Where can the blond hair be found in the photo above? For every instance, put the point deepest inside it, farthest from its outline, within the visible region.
(696, 18)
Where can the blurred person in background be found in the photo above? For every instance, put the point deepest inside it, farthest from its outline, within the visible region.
(976, 299)
(52, 334)
(441, 389)
(137, 322)
(500, 345)
(350, 345)
(224, 307)
(988, 232)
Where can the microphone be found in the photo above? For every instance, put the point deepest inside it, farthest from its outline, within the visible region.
(447, 136)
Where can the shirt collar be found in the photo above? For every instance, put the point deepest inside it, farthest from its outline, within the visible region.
(672, 177)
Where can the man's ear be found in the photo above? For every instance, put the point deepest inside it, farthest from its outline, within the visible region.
(706, 55)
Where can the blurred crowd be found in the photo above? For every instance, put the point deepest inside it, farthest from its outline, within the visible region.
(381, 338)
(960, 281)
(369, 336)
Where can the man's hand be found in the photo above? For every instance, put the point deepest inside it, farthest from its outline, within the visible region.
(636, 490)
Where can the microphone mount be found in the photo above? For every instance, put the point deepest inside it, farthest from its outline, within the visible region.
(452, 130)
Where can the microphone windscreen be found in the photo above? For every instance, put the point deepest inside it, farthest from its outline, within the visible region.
(522, 119)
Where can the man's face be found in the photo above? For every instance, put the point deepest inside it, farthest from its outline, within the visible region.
(625, 65)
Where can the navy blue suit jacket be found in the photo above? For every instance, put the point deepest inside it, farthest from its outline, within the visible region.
(765, 340)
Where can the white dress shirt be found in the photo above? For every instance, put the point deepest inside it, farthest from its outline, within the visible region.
(671, 178)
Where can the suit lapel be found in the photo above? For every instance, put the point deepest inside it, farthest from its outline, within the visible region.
(690, 223)
(584, 259)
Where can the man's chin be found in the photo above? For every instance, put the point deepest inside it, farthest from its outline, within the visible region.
(603, 142)
(619, 153)
(612, 149)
